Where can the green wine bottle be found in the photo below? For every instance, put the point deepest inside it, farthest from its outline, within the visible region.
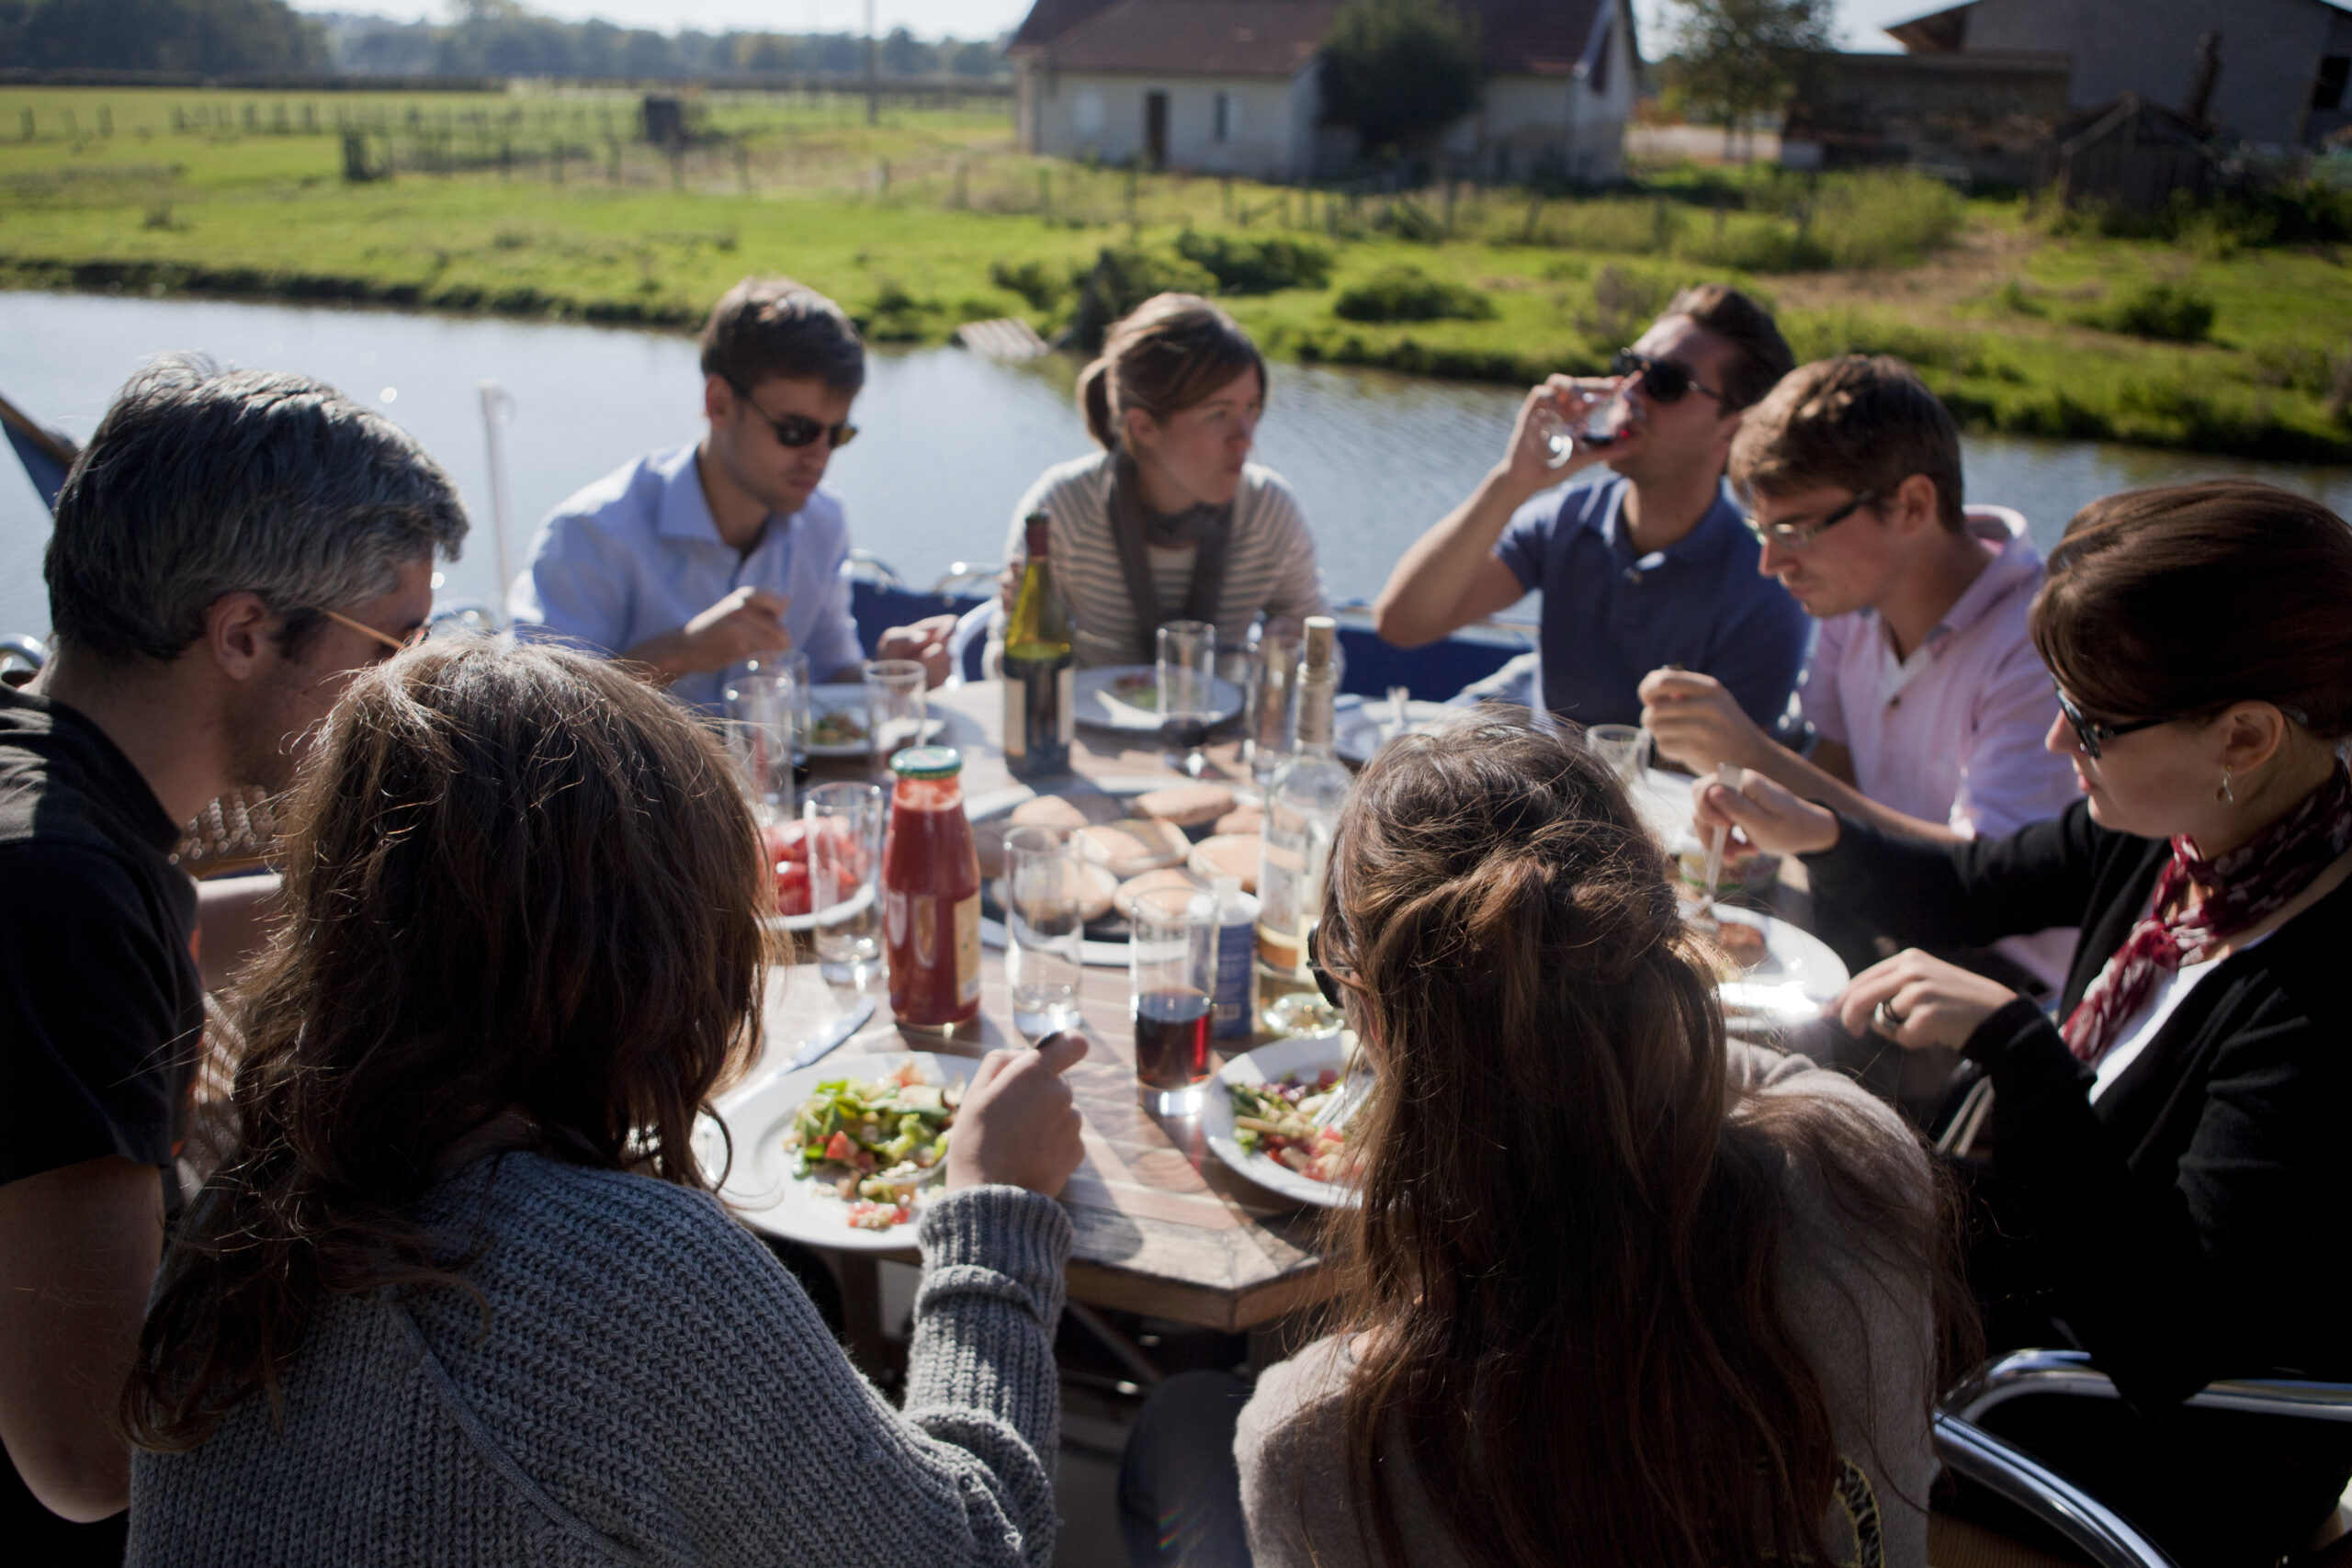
(1040, 708)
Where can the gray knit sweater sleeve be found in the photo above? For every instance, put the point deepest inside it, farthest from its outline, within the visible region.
(648, 1385)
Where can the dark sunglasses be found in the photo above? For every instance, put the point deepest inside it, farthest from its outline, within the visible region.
(2094, 736)
(1797, 535)
(1325, 981)
(1662, 380)
(798, 429)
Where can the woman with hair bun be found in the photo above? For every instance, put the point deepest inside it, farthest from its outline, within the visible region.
(1617, 1292)
(1170, 520)
(2170, 1147)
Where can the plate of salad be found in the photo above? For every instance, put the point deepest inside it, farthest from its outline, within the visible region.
(1126, 696)
(844, 1154)
(1256, 1115)
(838, 717)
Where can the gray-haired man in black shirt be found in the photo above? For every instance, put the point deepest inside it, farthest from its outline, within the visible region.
(230, 548)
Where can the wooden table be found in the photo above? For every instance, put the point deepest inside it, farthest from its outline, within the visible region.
(1164, 1227)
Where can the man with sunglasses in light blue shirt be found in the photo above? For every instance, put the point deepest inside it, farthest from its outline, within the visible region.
(691, 560)
(1651, 567)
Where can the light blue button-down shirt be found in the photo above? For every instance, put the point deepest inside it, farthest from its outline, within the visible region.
(636, 554)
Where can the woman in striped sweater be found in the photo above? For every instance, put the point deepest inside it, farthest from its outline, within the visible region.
(1170, 520)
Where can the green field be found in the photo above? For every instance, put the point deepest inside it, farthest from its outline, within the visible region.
(545, 203)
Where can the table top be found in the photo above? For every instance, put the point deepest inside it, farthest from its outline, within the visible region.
(1164, 1227)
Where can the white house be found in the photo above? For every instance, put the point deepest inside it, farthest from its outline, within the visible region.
(1231, 86)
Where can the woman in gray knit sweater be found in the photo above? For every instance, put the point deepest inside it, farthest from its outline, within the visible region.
(1616, 1295)
(461, 1294)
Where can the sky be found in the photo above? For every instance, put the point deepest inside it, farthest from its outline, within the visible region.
(965, 18)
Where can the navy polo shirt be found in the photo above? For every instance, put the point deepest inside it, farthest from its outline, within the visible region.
(1610, 619)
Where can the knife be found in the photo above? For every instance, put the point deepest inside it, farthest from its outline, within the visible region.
(831, 1035)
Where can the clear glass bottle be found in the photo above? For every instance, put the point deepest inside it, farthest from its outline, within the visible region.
(1302, 812)
(1040, 707)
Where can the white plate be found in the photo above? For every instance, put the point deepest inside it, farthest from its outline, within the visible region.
(1099, 702)
(1799, 972)
(849, 697)
(1364, 730)
(1304, 1058)
(761, 1187)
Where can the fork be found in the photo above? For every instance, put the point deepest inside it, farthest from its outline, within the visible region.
(1338, 1109)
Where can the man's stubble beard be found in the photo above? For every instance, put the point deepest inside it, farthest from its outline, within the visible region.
(269, 732)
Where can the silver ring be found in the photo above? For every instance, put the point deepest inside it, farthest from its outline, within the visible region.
(1887, 1019)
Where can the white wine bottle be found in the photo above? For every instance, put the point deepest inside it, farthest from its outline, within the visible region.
(1040, 707)
(1302, 812)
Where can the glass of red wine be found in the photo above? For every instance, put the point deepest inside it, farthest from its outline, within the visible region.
(1172, 956)
(1186, 669)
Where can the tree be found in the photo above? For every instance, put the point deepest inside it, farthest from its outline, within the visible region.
(1399, 71)
(1736, 59)
(211, 38)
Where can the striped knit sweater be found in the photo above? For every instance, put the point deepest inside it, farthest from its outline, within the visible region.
(651, 1387)
(1269, 566)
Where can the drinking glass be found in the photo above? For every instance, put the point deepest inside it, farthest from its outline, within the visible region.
(1623, 747)
(794, 663)
(1187, 671)
(1270, 726)
(843, 823)
(759, 736)
(1171, 959)
(1599, 426)
(1044, 927)
(895, 692)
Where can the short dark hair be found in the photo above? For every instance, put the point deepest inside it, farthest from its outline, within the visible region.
(1862, 422)
(768, 327)
(1761, 356)
(201, 481)
(2177, 601)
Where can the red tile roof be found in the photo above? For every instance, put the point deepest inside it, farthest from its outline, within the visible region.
(1198, 38)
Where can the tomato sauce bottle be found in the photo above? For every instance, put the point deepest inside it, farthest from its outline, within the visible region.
(930, 894)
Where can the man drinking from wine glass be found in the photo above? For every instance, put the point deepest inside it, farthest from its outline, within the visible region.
(692, 559)
(1651, 567)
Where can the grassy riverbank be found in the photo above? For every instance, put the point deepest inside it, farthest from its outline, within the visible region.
(542, 204)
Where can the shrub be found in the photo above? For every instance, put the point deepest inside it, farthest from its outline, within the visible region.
(1124, 277)
(2168, 312)
(1033, 280)
(1256, 266)
(1409, 294)
(1399, 71)
(1624, 303)
(1884, 219)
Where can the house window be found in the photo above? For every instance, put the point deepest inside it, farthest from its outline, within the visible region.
(2335, 74)
(1088, 115)
(1228, 116)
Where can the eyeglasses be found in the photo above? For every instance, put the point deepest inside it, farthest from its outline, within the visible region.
(1324, 980)
(2094, 736)
(1797, 535)
(798, 429)
(1662, 380)
(393, 644)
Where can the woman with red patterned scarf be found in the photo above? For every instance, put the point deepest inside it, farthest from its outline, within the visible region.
(2170, 1181)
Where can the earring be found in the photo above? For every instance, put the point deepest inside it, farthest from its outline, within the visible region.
(2224, 794)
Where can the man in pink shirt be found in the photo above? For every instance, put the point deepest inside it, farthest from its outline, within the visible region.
(1923, 687)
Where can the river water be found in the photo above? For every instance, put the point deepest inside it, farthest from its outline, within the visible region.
(948, 440)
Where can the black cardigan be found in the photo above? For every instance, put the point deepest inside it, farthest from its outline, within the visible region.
(2197, 1221)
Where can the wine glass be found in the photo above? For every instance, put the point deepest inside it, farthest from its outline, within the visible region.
(1187, 671)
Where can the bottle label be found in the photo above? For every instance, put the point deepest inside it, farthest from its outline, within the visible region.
(967, 950)
(1066, 703)
(1237, 978)
(1016, 717)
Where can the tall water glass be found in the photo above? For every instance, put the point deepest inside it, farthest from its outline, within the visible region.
(1044, 928)
(1171, 961)
(1187, 671)
(794, 663)
(843, 823)
(759, 735)
(1269, 727)
(1623, 747)
(895, 692)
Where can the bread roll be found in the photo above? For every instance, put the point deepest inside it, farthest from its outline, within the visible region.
(1096, 887)
(1186, 805)
(1226, 854)
(1241, 819)
(1077, 810)
(1151, 882)
(1131, 848)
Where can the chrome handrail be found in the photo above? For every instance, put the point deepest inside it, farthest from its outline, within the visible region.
(2023, 1372)
(1490, 630)
(31, 649)
(961, 572)
(2011, 1473)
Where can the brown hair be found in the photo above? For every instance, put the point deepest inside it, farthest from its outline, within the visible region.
(1761, 356)
(515, 879)
(1168, 354)
(1563, 1266)
(2177, 601)
(1859, 422)
(766, 327)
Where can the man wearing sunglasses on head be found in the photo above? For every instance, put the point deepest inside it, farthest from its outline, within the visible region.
(694, 558)
(1651, 567)
(1924, 688)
